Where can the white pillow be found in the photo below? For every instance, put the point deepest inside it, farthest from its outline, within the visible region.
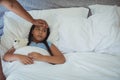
(16, 27)
(106, 28)
(73, 11)
(74, 34)
(98, 8)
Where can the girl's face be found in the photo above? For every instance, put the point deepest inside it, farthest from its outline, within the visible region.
(39, 33)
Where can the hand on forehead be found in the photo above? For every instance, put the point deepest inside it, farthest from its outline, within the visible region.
(43, 24)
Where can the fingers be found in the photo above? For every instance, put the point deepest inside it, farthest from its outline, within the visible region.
(25, 59)
(11, 50)
(40, 22)
(28, 60)
(43, 23)
(30, 55)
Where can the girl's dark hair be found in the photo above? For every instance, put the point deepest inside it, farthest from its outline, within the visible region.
(30, 38)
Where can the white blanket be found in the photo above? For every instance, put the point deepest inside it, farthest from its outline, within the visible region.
(79, 66)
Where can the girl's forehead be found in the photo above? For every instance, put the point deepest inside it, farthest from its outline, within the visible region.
(39, 27)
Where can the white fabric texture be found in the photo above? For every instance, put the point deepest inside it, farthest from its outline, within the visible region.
(79, 66)
(98, 8)
(13, 66)
(16, 27)
(75, 34)
(106, 28)
(102, 35)
(118, 9)
(18, 43)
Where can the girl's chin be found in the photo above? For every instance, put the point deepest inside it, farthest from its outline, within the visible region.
(39, 40)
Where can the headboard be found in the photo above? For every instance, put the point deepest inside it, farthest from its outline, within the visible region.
(50, 4)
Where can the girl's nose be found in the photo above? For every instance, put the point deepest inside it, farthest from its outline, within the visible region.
(40, 32)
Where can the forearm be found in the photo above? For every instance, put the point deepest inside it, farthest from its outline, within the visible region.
(14, 6)
(2, 76)
(10, 57)
(1, 73)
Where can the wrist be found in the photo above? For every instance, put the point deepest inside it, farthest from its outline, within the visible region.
(43, 58)
(16, 57)
(1, 73)
(33, 21)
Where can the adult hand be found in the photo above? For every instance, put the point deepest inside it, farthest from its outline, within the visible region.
(40, 22)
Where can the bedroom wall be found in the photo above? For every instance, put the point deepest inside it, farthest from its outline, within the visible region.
(47, 4)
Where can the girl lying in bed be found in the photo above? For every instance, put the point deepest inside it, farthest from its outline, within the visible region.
(37, 37)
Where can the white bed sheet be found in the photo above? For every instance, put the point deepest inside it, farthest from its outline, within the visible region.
(79, 66)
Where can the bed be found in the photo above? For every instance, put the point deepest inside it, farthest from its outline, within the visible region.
(91, 45)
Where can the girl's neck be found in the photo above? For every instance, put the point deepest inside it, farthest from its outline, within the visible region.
(36, 41)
